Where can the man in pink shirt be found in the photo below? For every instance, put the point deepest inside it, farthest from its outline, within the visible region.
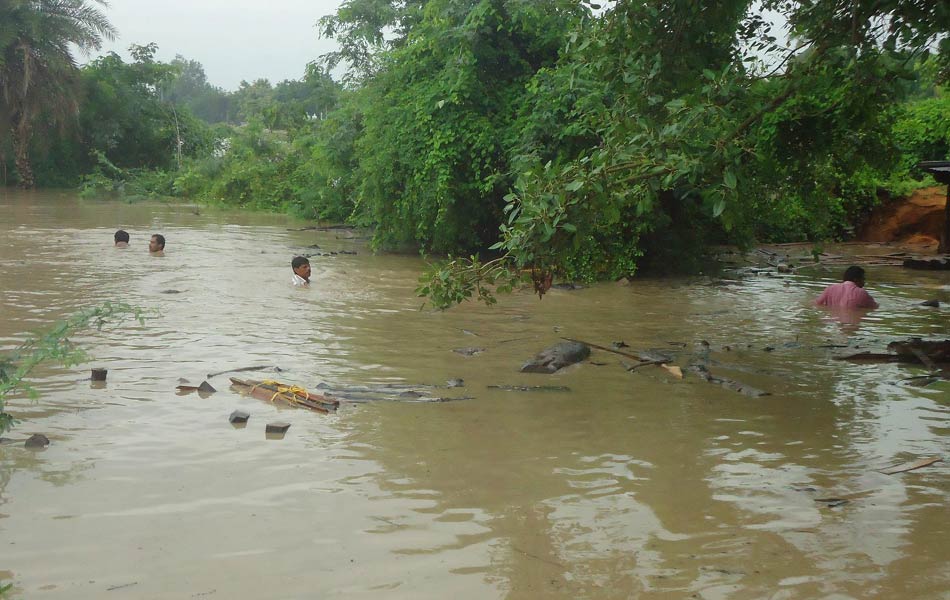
(849, 293)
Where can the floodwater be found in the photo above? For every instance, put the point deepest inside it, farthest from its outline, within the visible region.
(630, 485)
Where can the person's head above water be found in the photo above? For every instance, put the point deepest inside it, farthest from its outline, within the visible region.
(855, 275)
(157, 243)
(301, 267)
(121, 238)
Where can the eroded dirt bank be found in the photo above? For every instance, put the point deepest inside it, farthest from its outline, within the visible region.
(914, 221)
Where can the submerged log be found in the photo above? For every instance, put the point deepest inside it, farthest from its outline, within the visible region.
(934, 355)
(530, 388)
(396, 392)
(936, 351)
(730, 384)
(871, 357)
(930, 264)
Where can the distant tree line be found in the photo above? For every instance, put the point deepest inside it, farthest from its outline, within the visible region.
(558, 138)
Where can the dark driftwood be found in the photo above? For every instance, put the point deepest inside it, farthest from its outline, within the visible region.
(260, 368)
(936, 351)
(644, 363)
(930, 264)
(730, 384)
(605, 349)
(928, 353)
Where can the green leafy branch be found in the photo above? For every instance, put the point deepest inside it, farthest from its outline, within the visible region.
(54, 345)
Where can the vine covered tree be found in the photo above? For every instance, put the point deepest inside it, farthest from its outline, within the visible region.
(38, 72)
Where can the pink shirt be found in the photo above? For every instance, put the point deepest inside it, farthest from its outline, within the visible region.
(846, 294)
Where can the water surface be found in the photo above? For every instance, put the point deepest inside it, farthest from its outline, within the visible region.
(632, 485)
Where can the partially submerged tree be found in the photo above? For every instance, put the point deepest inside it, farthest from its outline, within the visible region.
(38, 73)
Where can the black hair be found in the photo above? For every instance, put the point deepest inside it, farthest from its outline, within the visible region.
(121, 236)
(299, 261)
(160, 239)
(854, 274)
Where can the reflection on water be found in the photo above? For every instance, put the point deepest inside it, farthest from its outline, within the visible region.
(631, 485)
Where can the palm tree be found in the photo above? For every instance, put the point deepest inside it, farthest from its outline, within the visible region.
(38, 74)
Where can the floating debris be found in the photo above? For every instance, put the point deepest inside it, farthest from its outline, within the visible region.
(470, 351)
(910, 466)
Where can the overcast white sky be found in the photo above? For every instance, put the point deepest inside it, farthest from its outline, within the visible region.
(233, 39)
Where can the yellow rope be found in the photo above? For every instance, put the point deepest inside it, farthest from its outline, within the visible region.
(297, 393)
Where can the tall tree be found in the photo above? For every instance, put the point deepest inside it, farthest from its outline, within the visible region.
(38, 73)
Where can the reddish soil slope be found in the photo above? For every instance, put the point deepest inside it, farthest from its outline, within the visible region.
(914, 221)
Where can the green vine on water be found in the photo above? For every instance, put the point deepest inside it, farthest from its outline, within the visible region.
(54, 345)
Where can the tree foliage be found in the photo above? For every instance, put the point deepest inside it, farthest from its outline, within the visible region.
(38, 73)
(53, 345)
(673, 131)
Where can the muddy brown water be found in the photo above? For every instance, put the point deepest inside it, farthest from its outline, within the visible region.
(631, 485)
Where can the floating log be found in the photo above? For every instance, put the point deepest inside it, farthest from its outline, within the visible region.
(274, 391)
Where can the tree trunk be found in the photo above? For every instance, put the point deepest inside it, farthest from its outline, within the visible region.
(21, 134)
(945, 234)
